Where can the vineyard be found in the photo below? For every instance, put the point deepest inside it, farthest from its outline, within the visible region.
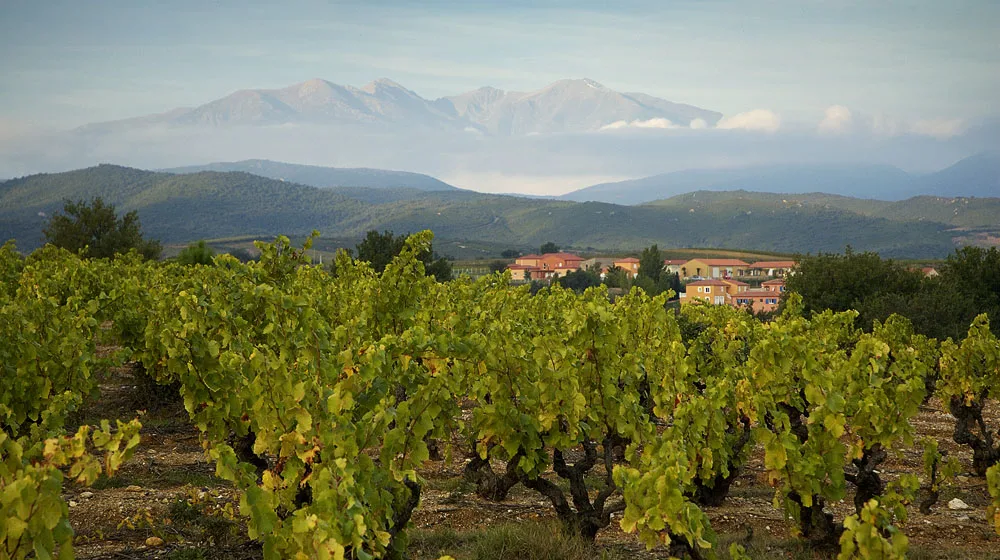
(322, 395)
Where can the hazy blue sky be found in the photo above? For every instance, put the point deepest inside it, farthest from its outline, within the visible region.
(65, 63)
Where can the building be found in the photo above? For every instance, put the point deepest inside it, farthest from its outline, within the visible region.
(599, 265)
(714, 268)
(629, 265)
(715, 292)
(673, 266)
(776, 285)
(765, 298)
(544, 267)
(735, 287)
(771, 269)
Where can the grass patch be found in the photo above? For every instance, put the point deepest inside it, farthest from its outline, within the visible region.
(453, 484)
(530, 540)
(187, 554)
(166, 479)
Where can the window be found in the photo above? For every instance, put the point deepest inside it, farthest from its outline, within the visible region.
(700, 290)
(708, 289)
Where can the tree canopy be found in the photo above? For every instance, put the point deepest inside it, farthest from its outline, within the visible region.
(652, 277)
(196, 253)
(378, 249)
(941, 307)
(98, 231)
(548, 247)
(579, 280)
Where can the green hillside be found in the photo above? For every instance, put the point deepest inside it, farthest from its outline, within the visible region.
(954, 211)
(183, 208)
(316, 176)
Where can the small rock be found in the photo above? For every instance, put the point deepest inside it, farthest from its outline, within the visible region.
(154, 541)
(955, 503)
(133, 488)
(963, 518)
(86, 495)
(72, 503)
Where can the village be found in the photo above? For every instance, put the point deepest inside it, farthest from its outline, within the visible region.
(756, 286)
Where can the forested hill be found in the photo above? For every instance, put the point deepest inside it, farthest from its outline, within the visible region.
(209, 205)
(316, 176)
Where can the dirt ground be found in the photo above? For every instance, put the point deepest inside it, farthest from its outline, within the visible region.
(142, 512)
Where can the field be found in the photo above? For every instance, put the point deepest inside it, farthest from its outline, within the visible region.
(290, 411)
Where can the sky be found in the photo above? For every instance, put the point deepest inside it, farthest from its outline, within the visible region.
(67, 63)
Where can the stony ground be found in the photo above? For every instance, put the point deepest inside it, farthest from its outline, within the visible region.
(146, 510)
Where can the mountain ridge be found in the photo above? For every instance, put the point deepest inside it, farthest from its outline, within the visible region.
(569, 105)
(977, 175)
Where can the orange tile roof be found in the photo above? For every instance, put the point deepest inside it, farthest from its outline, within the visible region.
(708, 283)
(774, 264)
(773, 282)
(722, 262)
(628, 260)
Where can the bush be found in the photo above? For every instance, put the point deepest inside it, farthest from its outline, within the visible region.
(196, 253)
(95, 230)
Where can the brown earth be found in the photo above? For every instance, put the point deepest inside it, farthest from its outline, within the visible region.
(118, 517)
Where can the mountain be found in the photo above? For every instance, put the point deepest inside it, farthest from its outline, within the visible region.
(856, 180)
(568, 106)
(180, 208)
(978, 175)
(564, 106)
(315, 176)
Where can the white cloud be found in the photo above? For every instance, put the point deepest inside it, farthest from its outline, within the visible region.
(651, 123)
(941, 129)
(757, 119)
(836, 120)
(550, 185)
(698, 124)
(884, 125)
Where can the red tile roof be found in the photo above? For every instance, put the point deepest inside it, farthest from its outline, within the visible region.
(564, 256)
(628, 260)
(774, 282)
(708, 283)
(774, 264)
(722, 262)
(674, 261)
(758, 293)
(735, 282)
